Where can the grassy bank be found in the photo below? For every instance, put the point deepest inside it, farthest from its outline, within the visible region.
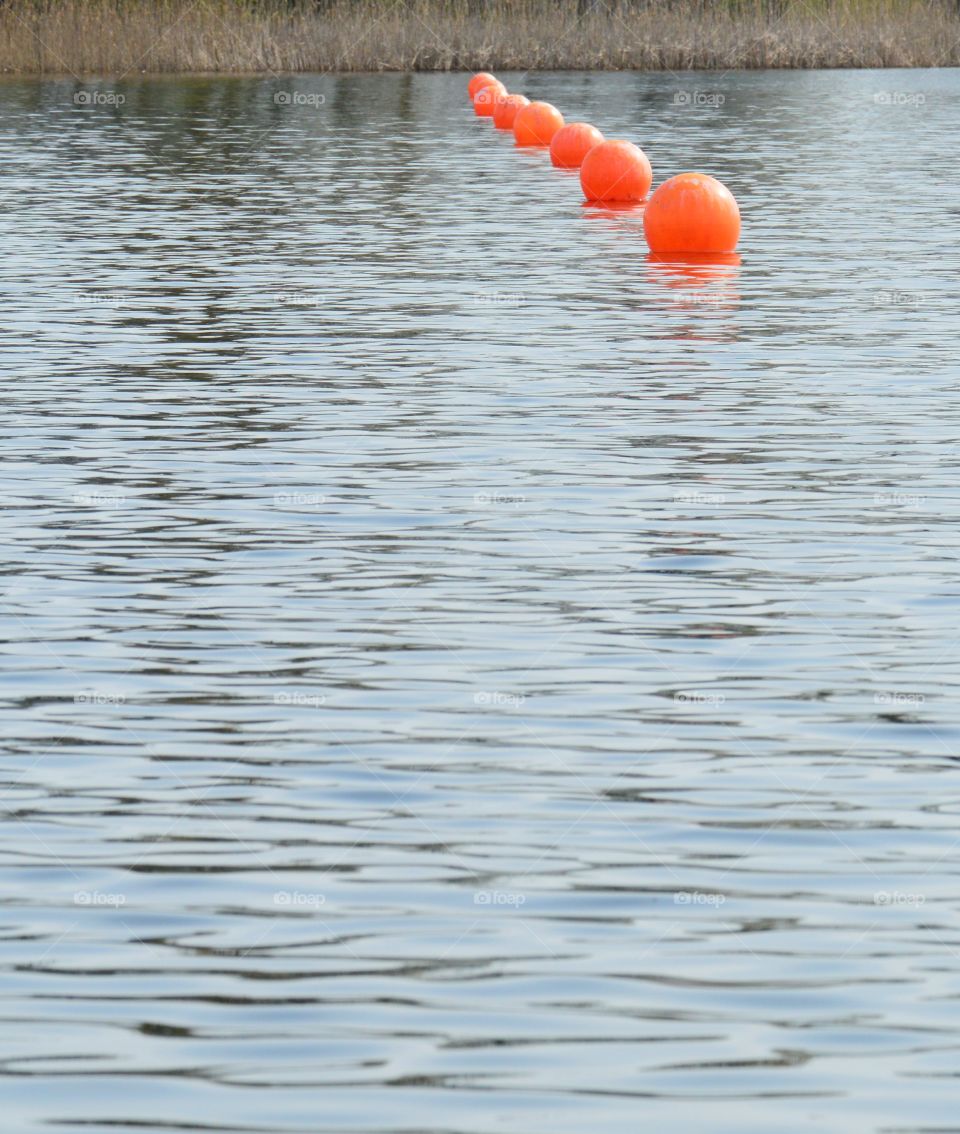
(129, 36)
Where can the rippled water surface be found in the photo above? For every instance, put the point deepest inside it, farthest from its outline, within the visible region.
(460, 676)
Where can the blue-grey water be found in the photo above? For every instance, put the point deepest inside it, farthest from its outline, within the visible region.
(459, 676)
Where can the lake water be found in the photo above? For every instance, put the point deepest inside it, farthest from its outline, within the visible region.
(460, 676)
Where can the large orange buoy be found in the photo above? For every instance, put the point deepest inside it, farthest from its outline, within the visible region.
(536, 123)
(486, 97)
(480, 79)
(615, 171)
(692, 212)
(505, 110)
(572, 144)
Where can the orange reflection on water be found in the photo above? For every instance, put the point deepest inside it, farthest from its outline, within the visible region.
(701, 286)
(692, 280)
(701, 267)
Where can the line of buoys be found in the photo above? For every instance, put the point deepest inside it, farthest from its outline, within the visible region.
(690, 214)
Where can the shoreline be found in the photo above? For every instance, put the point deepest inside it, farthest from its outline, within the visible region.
(250, 38)
(124, 76)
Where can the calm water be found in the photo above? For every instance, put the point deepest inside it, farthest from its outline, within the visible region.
(459, 676)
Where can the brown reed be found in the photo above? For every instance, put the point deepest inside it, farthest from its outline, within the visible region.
(118, 37)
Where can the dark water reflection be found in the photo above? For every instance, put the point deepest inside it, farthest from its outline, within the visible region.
(460, 673)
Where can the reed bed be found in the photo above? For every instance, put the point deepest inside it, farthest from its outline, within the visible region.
(119, 37)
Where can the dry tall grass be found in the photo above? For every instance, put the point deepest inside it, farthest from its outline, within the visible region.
(128, 36)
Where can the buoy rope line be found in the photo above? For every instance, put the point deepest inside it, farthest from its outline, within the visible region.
(690, 214)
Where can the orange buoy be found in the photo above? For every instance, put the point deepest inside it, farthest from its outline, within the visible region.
(480, 79)
(615, 171)
(692, 213)
(536, 123)
(505, 110)
(485, 98)
(572, 144)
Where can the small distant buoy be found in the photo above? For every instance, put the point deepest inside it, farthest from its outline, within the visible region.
(692, 213)
(536, 123)
(486, 97)
(480, 79)
(616, 171)
(505, 110)
(572, 144)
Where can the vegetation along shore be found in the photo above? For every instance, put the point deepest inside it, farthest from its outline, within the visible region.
(262, 36)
